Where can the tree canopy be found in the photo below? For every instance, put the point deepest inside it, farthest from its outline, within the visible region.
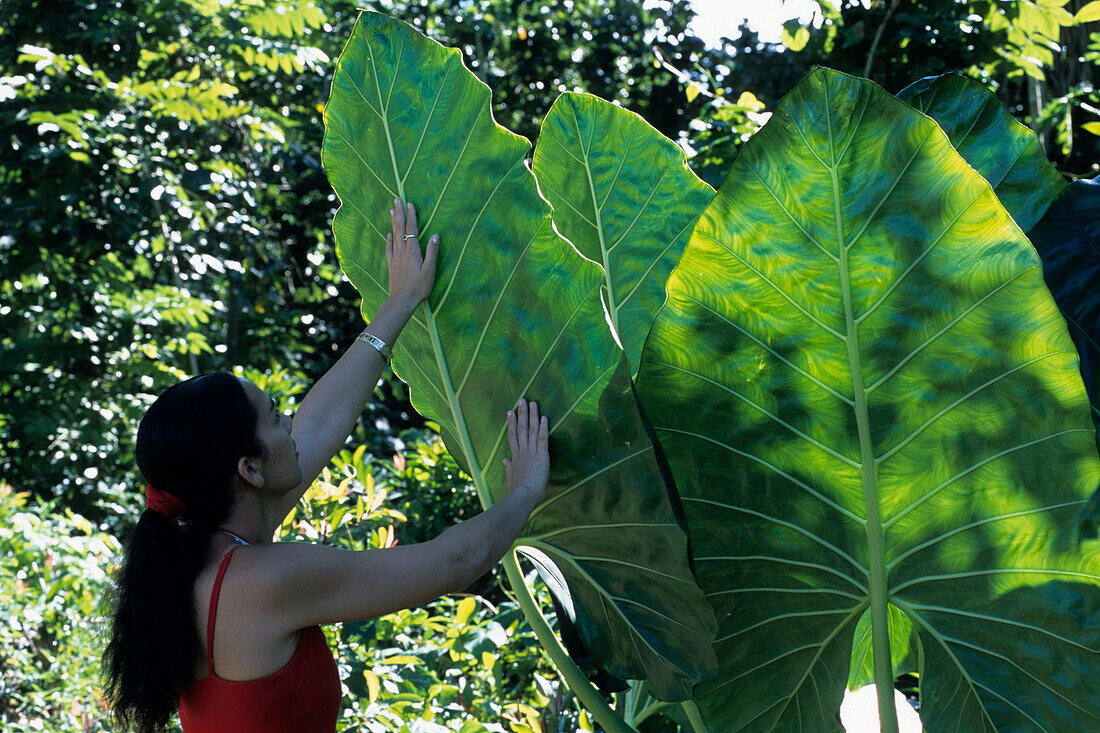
(167, 212)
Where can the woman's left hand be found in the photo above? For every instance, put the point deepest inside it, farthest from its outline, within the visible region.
(411, 274)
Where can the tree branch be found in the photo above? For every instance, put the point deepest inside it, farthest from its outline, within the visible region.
(878, 37)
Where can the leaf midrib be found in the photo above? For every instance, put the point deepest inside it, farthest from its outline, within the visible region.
(879, 598)
(612, 306)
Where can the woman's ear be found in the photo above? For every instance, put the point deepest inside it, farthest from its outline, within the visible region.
(248, 468)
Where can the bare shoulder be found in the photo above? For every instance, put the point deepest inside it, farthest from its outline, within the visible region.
(272, 568)
(251, 639)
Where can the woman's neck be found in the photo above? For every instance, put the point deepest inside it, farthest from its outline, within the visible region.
(251, 520)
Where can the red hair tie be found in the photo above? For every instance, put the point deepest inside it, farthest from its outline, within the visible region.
(170, 505)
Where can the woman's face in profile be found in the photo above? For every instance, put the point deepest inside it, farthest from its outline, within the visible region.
(280, 467)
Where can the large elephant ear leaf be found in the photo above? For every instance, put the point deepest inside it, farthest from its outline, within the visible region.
(1003, 151)
(515, 312)
(1068, 240)
(868, 398)
(623, 195)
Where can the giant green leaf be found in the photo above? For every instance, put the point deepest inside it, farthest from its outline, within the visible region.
(1003, 151)
(623, 195)
(1067, 239)
(868, 397)
(514, 312)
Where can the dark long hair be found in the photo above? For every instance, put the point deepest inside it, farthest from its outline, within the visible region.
(188, 444)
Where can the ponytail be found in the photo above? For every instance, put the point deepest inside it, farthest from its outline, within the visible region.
(188, 445)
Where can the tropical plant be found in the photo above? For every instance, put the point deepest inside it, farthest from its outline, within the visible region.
(864, 391)
(1066, 238)
(607, 524)
(1007, 155)
(999, 148)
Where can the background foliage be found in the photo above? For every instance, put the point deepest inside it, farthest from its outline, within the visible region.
(166, 213)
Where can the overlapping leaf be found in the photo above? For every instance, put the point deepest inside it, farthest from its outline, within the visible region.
(623, 195)
(1003, 151)
(1068, 240)
(862, 382)
(515, 312)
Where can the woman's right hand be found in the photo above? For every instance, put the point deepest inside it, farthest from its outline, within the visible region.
(528, 437)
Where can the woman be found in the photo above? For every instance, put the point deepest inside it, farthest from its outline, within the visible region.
(212, 616)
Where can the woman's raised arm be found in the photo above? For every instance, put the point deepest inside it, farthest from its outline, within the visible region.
(328, 413)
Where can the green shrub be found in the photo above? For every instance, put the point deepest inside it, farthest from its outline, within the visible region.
(53, 579)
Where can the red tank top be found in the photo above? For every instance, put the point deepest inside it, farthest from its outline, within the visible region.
(302, 697)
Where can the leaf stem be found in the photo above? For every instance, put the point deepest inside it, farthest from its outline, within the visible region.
(588, 695)
(456, 411)
(693, 716)
(567, 668)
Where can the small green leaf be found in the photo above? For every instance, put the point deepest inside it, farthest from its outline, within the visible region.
(749, 101)
(373, 685)
(1088, 14)
(795, 36)
(465, 609)
(401, 659)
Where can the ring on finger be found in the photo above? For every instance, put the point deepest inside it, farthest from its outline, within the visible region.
(407, 237)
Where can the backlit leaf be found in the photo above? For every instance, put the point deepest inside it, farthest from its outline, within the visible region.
(373, 686)
(1088, 14)
(1003, 151)
(1068, 240)
(862, 671)
(868, 397)
(465, 609)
